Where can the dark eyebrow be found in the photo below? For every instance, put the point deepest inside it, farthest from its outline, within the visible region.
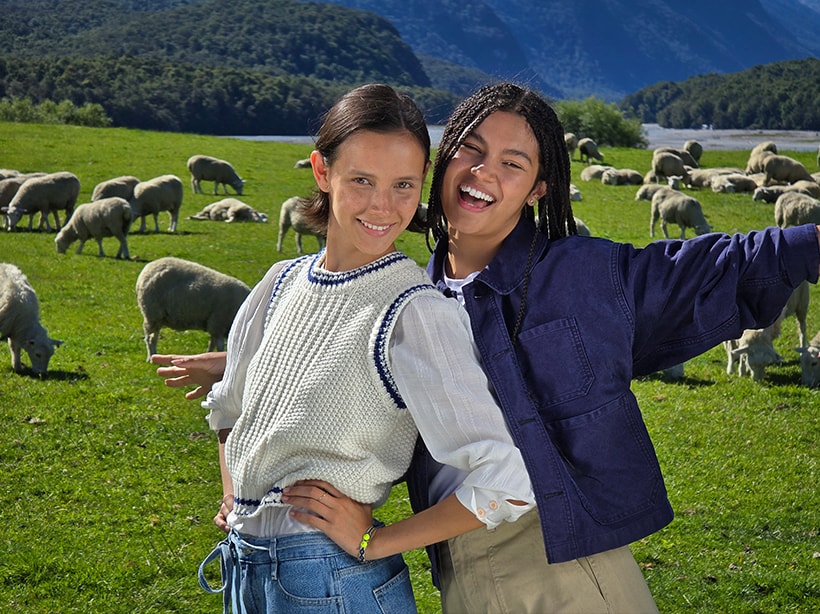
(508, 152)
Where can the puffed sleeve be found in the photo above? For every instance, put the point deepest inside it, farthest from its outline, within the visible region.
(438, 372)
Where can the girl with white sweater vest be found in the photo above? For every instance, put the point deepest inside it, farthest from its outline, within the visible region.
(336, 362)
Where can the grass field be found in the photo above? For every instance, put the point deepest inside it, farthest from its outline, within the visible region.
(110, 480)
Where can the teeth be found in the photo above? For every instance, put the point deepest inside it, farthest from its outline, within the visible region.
(476, 193)
(373, 226)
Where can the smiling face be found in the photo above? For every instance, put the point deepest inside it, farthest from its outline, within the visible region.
(374, 184)
(488, 181)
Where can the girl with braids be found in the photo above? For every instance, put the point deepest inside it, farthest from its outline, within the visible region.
(563, 324)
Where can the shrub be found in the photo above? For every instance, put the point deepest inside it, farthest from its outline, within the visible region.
(603, 122)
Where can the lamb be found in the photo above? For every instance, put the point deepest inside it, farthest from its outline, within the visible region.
(694, 149)
(753, 351)
(587, 148)
(593, 172)
(229, 210)
(212, 169)
(621, 176)
(20, 321)
(678, 208)
(163, 193)
(122, 187)
(291, 216)
(571, 141)
(46, 194)
(795, 208)
(758, 155)
(107, 217)
(733, 184)
(667, 164)
(185, 295)
(783, 169)
(810, 363)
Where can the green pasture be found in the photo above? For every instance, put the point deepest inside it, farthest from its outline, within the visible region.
(110, 480)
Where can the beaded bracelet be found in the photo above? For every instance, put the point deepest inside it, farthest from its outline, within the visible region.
(368, 535)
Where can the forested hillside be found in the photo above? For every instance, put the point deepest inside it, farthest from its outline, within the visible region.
(778, 96)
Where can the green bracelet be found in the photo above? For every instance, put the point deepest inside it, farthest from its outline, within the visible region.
(368, 535)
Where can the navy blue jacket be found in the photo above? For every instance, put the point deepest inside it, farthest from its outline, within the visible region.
(598, 314)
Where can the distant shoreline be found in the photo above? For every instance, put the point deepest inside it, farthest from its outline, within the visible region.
(793, 140)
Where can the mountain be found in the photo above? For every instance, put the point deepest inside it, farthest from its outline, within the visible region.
(607, 49)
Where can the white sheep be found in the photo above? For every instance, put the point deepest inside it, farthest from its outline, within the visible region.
(753, 351)
(587, 148)
(122, 186)
(783, 169)
(106, 217)
(758, 155)
(184, 295)
(647, 191)
(229, 210)
(733, 183)
(46, 194)
(621, 176)
(581, 228)
(810, 363)
(303, 163)
(163, 193)
(796, 208)
(687, 158)
(9, 187)
(291, 216)
(206, 168)
(694, 149)
(594, 171)
(20, 321)
(673, 207)
(771, 193)
(575, 193)
(667, 164)
(571, 141)
(812, 188)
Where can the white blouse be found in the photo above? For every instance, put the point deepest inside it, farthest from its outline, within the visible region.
(445, 390)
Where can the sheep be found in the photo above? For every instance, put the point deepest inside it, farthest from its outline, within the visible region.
(593, 172)
(769, 194)
(20, 321)
(571, 141)
(419, 221)
(758, 155)
(185, 295)
(783, 169)
(688, 159)
(694, 149)
(812, 188)
(45, 194)
(667, 164)
(647, 191)
(106, 217)
(303, 163)
(678, 208)
(753, 351)
(122, 186)
(581, 228)
(212, 169)
(9, 187)
(810, 363)
(163, 193)
(575, 193)
(621, 176)
(229, 210)
(795, 208)
(733, 184)
(291, 216)
(587, 148)
(6, 173)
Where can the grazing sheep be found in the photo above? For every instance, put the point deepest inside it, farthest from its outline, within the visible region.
(122, 186)
(647, 191)
(810, 363)
(575, 193)
(753, 351)
(673, 207)
(666, 164)
(581, 228)
(20, 321)
(593, 172)
(796, 208)
(621, 176)
(163, 193)
(587, 148)
(46, 194)
(769, 194)
(107, 217)
(733, 184)
(229, 210)
(183, 295)
(303, 163)
(206, 168)
(694, 149)
(783, 169)
(571, 141)
(688, 159)
(9, 187)
(758, 155)
(291, 216)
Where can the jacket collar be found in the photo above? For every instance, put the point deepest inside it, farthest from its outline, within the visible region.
(506, 271)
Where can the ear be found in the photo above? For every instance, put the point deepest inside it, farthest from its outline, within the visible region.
(537, 192)
(320, 170)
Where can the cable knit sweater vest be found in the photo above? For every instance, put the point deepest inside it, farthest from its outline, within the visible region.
(319, 399)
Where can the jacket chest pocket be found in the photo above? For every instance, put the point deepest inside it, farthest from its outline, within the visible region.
(553, 355)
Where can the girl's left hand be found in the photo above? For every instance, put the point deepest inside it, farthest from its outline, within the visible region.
(320, 505)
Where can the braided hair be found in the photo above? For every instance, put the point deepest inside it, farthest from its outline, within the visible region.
(554, 210)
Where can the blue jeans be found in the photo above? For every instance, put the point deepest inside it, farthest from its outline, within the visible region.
(306, 572)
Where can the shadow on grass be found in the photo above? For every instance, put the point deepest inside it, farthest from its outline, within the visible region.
(686, 380)
(56, 376)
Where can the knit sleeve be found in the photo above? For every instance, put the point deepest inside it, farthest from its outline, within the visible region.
(437, 370)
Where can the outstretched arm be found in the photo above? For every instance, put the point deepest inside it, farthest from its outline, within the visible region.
(200, 370)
